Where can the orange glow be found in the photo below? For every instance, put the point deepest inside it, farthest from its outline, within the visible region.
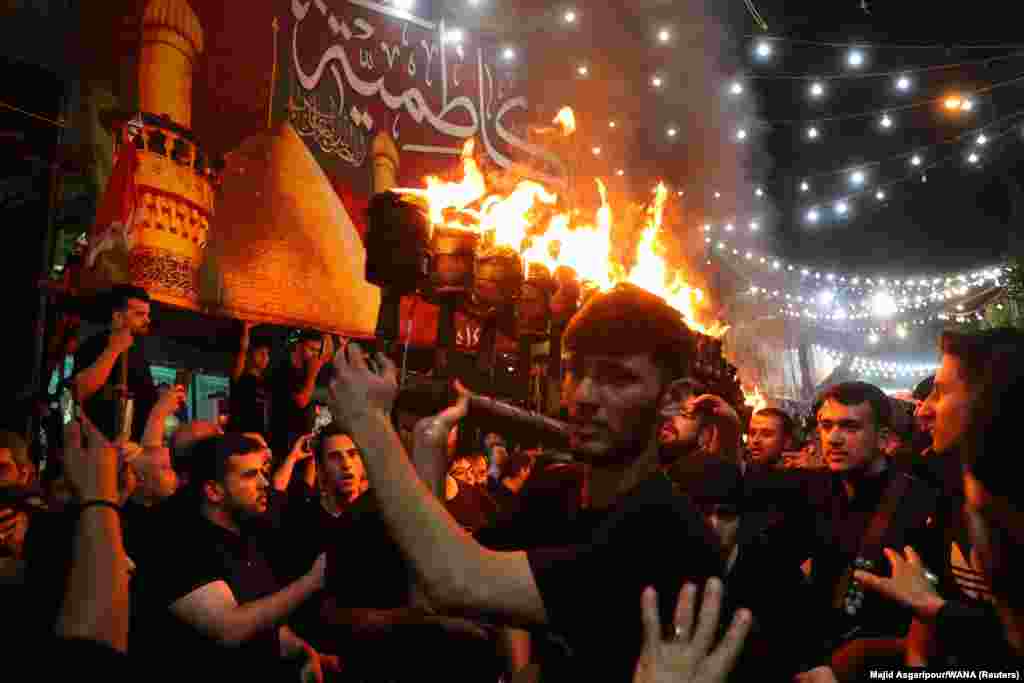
(567, 120)
(953, 102)
(530, 220)
(754, 399)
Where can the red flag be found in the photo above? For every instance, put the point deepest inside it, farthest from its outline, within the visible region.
(116, 212)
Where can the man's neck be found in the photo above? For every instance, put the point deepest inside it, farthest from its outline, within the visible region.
(606, 484)
(221, 518)
(853, 479)
(334, 503)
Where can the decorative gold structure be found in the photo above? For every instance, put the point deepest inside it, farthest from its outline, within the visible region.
(172, 40)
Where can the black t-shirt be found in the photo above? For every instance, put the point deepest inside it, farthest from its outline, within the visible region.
(249, 406)
(196, 552)
(471, 507)
(287, 420)
(591, 589)
(101, 407)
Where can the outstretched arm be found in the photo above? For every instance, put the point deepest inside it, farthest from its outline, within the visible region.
(456, 571)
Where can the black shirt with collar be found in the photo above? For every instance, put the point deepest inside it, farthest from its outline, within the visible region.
(194, 553)
(287, 420)
(101, 407)
(591, 584)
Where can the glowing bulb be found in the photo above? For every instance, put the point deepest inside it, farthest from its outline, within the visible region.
(817, 89)
(754, 227)
(741, 134)
(672, 132)
(454, 36)
(764, 49)
(620, 172)
(718, 195)
(759, 192)
(880, 195)
(873, 338)
(664, 35)
(967, 105)
(826, 298)
(857, 177)
(886, 121)
(953, 103)
(509, 54)
(973, 158)
(804, 186)
(841, 208)
(981, 139)
(901, 332)
(882, 304)
(812, 133)
(729, 227)
(776, 265)
(812, 216)
(903, 83)
(915, 160)
(855, 58)
(656, 81)
(570, 17)
(596, 151)
(612, 124)
(736, 88)
(582, 71)
(707, 228)
(749, 256)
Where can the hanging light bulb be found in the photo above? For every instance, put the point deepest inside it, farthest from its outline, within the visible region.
(880, 195)
(857, 177)
(812, 133)
(915, 160)
(741, 134)
(812, 216)
(981, 140)
(754, 226)
(736, 88)
(903, 83)
(973, 158)
(805, 186)
(855, 58)
(764, 49)
(817, 89)
(886, 121)
(664, 35)
(672, 132)
(759, 192)
(729, 227)
(656, 81)
(873, 338)
(841, 207)
(569, 17)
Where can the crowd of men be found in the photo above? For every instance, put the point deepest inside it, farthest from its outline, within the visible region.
(675, 544)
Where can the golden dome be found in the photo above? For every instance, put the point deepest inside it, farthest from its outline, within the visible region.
(178, 16)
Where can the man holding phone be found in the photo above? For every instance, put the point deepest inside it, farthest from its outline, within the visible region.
(291, 389)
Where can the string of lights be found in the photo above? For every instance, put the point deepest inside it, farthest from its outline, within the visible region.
(873, 367)
(886, 46)
(893, 73)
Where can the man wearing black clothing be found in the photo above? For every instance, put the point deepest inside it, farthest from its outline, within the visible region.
(627, 346)
(845, 517)
(214, 599)
(291, 390)
(97, 372)
(249, 407)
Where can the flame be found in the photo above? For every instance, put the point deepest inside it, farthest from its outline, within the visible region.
(754, 399)
(566, 118)
(529, 220)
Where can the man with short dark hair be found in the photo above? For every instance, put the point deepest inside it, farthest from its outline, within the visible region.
(96, 377)
(14, 460)
(627, 346)
(770, 434)
(249, 406)
(291, 390)
(212, 597)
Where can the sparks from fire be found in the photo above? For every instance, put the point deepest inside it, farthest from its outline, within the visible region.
(511, 220)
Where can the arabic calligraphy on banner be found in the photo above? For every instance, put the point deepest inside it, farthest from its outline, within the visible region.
(358, 67)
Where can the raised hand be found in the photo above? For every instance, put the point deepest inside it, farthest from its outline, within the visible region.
(90, 462)
(909, 584)
(356, 389)
(688, 657)
(433, 431)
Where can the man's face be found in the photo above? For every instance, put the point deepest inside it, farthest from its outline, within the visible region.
(462, 470)
(613, 405)
(849, 437)
(245, 485)
(944, 413)
(479, 464)
(765, 439)
(343, 466)
(678, 425)
(893, 444)
(261, 358)
(10, 473)
(135, 317)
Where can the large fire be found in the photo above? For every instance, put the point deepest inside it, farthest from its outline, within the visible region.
(530, 220)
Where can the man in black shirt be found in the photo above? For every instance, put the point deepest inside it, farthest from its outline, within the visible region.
(249, 406)
(213, 600)
(96, 364)
(291, 390)
(627, 346)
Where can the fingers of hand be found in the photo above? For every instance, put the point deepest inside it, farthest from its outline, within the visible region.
(707, 622)
(649, 615)
(725, 654)
(912, 556)
(684, 612)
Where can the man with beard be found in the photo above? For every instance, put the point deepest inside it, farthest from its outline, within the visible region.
(627, 346)
(212, 608)
(96, 378)
(249, 407)
(769, 436)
